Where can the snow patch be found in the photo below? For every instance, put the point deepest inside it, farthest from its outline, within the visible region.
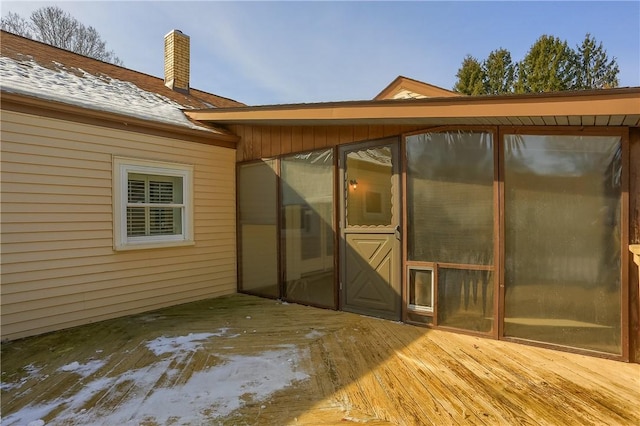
(314, 334)
(212, 393)
(181, 344)
(79, 88)
(83, 369)
(207, 395)
(33, 372)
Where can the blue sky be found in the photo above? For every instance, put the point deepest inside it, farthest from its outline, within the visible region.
(291, 52)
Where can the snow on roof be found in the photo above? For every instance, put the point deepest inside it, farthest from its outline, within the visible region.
(97, 92)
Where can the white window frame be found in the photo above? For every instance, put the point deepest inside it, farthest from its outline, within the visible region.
(122, 167)
(421, 308)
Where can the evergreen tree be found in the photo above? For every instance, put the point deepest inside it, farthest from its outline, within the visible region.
(470, 77)
(549, 66)
(594, 69)
(499, 72)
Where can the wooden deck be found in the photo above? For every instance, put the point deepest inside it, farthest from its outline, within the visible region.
(244, 360)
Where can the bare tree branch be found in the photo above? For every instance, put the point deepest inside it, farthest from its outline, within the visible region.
(16, 24)
(56, 27)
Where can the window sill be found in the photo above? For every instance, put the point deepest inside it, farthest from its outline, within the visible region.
(153, 245)
(420, 310)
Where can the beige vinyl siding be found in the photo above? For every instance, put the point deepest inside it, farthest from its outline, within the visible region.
(59, 268)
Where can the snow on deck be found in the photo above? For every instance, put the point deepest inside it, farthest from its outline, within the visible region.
(97, 92)
(160, 393)
(243, 360)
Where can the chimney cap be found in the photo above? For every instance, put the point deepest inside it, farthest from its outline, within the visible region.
(175, 31)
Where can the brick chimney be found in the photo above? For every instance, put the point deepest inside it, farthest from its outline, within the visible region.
(176, 61)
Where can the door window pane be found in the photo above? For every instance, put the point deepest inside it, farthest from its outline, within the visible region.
(450, 197)
(258, 228)
(562, 240)
(307, 226)
(369, 187)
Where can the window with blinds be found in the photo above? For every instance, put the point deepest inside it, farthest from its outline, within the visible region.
(152, 204)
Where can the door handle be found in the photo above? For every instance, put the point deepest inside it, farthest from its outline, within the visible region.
(398, 234)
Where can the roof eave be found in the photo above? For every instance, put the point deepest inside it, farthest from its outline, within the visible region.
(587, 103)
(49, 108)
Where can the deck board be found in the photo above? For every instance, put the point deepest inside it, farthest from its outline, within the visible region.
(350, 369)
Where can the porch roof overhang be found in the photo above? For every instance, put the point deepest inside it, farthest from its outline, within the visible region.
(606, 107)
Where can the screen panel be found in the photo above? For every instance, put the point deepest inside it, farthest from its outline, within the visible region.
(450, 197)
(257, 203)
(465, 299)
(307, 226)
(562, 240)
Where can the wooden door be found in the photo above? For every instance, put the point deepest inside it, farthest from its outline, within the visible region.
(369, 228)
